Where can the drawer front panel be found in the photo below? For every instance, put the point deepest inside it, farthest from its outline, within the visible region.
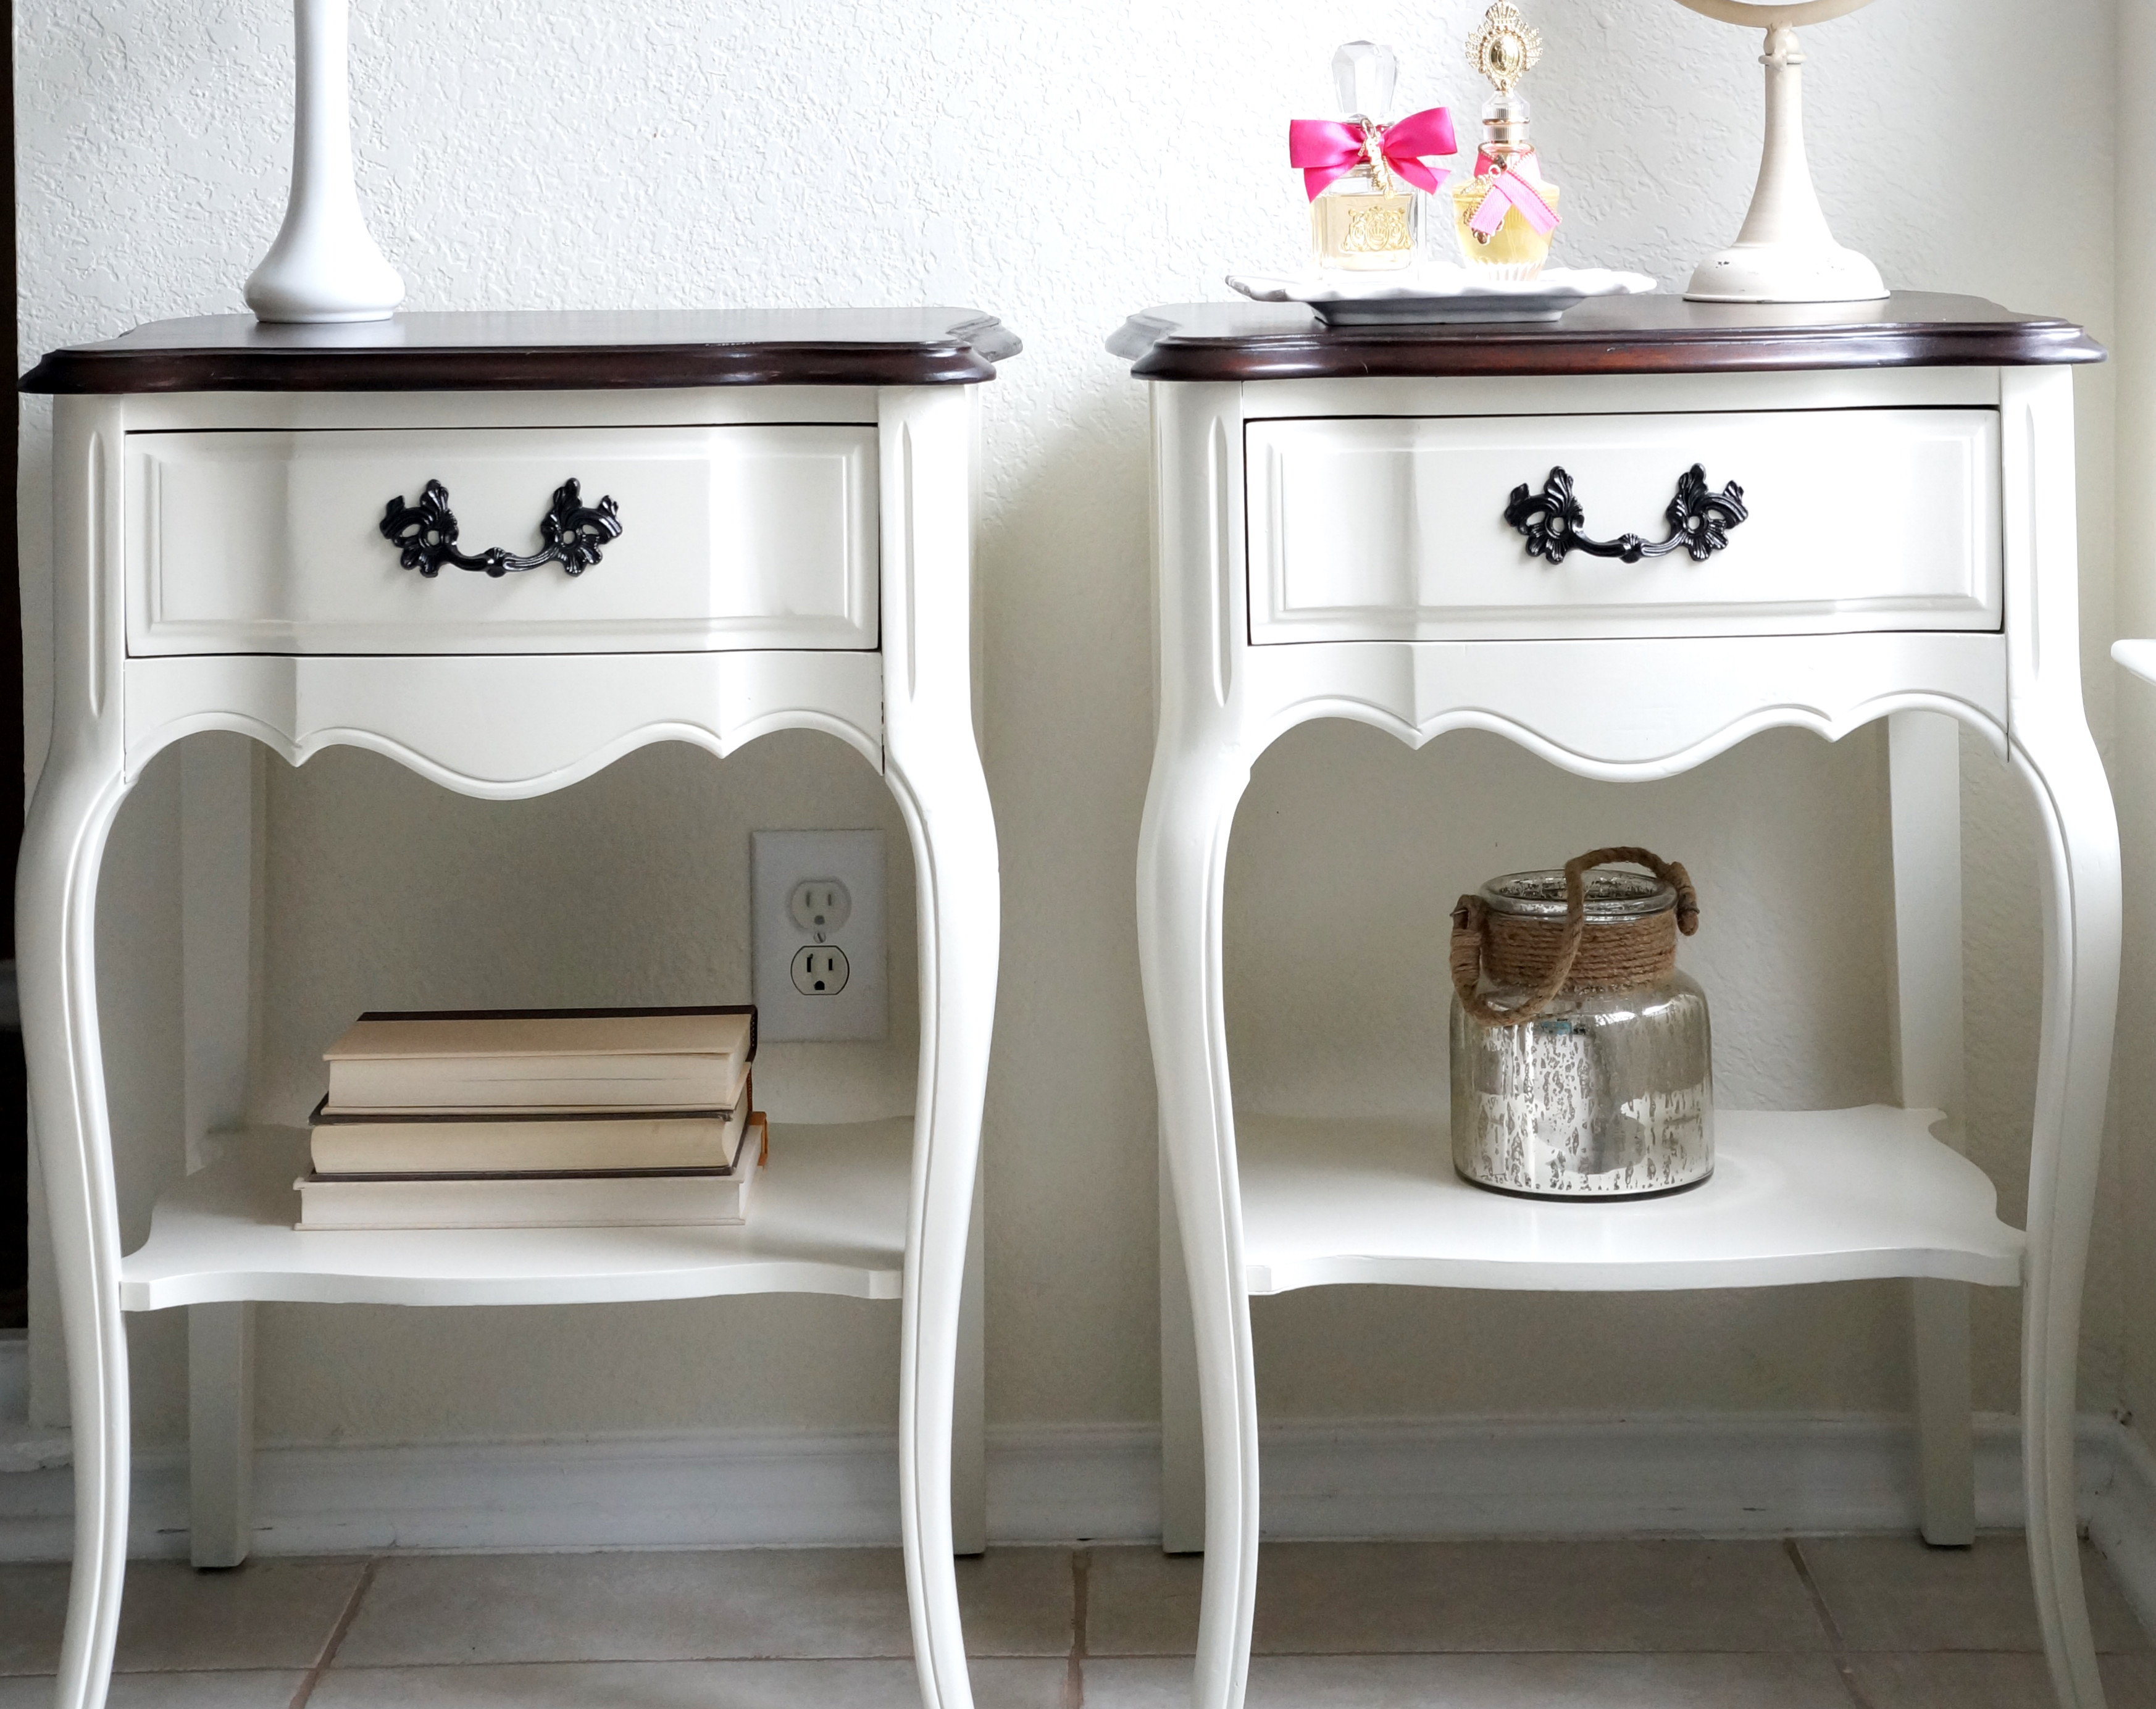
(732, 537)
(1395, 528)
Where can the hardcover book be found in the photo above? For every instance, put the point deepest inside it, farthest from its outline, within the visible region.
(562, 1060)
(541, 1198)
(478, 1144)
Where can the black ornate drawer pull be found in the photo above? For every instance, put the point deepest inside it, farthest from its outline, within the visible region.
(425, 534)
(1700, 520)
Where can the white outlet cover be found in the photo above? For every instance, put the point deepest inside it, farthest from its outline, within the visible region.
(781, 860)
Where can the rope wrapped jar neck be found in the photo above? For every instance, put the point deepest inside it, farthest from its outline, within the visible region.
(1545, 957)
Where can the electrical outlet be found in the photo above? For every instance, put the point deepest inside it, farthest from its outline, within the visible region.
(816, 904)
(819, 906)
(820, 972)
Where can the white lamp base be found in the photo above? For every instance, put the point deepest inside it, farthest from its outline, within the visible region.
(324, 266)
(1786, 254)
(324, 271)
(1785, 273)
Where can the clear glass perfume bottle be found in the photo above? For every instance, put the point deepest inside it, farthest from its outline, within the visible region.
(1369, 220)
(1505, 215)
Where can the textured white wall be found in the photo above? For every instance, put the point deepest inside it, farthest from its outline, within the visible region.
(1061, 164)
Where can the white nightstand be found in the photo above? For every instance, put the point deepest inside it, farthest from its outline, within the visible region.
(785, 543)
(1907, 551)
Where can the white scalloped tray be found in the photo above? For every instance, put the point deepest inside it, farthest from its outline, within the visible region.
(1436, 292)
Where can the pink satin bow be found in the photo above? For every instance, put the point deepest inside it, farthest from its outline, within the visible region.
(1509, 190)
(1327, 149)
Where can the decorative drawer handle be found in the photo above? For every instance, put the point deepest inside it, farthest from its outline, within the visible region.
(1700, 520)
(425, 534)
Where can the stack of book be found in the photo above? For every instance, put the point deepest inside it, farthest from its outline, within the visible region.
(537, 1119)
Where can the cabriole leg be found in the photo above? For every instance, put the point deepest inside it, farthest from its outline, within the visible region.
(969, 1447)
(934, 770)
(954, 853)
(2081, 990)
(1181, 866)
(55, 936)
(1182, 1433)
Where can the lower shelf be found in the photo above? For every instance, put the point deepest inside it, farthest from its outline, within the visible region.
(829, 1218)
(1806, 1196)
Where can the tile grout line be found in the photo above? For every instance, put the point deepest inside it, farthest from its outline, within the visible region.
(335, 1641)
(1835, 1645)
(1074, 1672)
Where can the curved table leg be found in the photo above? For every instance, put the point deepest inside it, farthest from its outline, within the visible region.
(933, 768)
(954, 852)
(55, 934)
(2081, 989)
(1182, 865)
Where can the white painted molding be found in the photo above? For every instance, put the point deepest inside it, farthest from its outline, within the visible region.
(2122, 1516)
(1683, 1476)
(22, 1446)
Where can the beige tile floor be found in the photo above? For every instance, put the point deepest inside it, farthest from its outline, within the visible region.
(1834, 1623)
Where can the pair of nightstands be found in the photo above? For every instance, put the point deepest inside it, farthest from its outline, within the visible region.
(793, 493)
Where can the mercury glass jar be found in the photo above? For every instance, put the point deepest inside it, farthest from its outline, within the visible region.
(1581, 1059)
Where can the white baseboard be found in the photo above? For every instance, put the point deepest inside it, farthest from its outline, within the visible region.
(22, 1448)
(14, 1376)
(1713, 1474)
(2122, 1518)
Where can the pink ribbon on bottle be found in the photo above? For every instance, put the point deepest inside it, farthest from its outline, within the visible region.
(1509, 190)
(1327, 149)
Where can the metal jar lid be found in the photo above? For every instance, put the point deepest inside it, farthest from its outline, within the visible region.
(1613, 895)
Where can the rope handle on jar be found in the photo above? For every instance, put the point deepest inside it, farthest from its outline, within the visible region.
(1472, 910)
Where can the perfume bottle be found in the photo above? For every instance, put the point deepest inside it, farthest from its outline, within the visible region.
(1367, 220)
(1505, 215)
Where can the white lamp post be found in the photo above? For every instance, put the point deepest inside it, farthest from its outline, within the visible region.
(1784, 254)
(324, 265)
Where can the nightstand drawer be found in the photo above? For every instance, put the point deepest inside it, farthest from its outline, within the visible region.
(729, 537)
(1391, 528)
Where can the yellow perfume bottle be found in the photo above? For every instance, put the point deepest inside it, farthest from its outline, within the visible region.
(1369, 219)
(1505, 216)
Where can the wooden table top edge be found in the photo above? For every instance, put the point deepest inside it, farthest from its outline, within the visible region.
(964, 350)
(1645, 335)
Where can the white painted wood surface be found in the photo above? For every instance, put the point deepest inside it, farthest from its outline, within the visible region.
(1182, 1435)
(829, 1218)
(449, 720)
(508, 726)
(1796, 1196)
(220, 1434)
(2139, 657)
(1925, 1022)
(1618, 708)
(750, 536)
(1392, 528)
(220, 850)
(2054, 755)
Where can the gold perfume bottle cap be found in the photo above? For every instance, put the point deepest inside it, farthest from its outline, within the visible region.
(1504, 46)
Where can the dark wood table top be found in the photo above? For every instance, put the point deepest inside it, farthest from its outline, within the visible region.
(1619, 335)
(543, 352)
